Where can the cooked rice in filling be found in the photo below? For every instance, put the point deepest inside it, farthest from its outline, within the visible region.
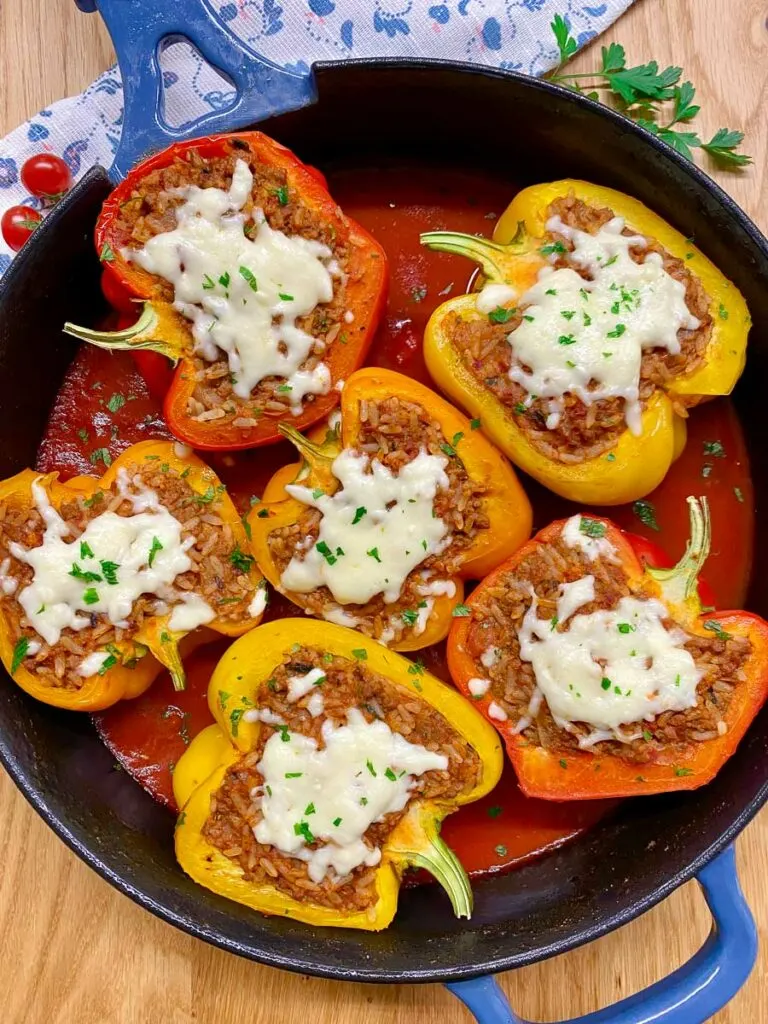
(393, 432)
(235, 812)
(584, 431)
(498, 617)
(151, 211)
(218, 579)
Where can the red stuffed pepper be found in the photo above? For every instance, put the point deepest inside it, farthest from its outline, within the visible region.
(604, 675)
(255, 284)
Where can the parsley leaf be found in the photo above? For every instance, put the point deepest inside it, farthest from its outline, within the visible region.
(646, 513)
(19, 653)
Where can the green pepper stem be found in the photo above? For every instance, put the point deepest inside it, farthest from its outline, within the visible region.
(308, 449)
(441, 862)
(167, 653)
(679, 583)
(129, 337)
(490, 255)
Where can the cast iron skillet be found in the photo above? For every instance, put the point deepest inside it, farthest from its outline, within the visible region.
(359, 113)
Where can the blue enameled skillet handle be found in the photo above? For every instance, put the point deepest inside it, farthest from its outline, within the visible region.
(140, 29)
(691, 994)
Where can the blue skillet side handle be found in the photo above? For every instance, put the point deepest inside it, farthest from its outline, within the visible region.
(140, 29)
(691, 994)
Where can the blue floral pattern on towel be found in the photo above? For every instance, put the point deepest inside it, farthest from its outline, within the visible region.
(511, 34)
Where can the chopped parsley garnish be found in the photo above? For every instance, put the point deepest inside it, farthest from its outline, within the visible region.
(360, 653)
(285, 734)
(739, 495)
(715, 449)
(293, 775)
(722, 312)
(569, 314)
(416, 669)
(282, 195)
(591, 527)
(109, 569)
(447, 449)
(91, 596)
(116, 402)
(107, 664)
(390, 775)
(371, 769)
(495, 811)
(234, 719)
(240, 560)
(250, 277)
(410, 617)
(457, 437)
(419, 293)
(284, 388)
(626, 627)
(500, 850)
(646, 513)
(563, 763)
(374, 553)
(617, 331)
(326, 552)
(683, 771)
(301, 828)
(474, 424)
(647, 736)
(363, 801)
(553, 622)
(528, 318)
(359, 513)
(551, 291)
(606, 683)
(154, 549)
(263, 513)
(107, 254)
(207, 497)
(566, 339)
(337, 822)
(552, 248)
(86, 577)
(208, 282)
(714, 627)
(500, 315)
(587, 319)
(83, 434)
(461, 611)
(100, 455)
(520, 409)
(610, 457)
(309, 809)
(85, 550)
(19, 652)
(284, 297)
(225, 279)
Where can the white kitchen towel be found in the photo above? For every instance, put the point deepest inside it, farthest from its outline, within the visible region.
(513, 34)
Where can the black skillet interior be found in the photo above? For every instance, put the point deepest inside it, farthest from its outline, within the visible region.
(369, 113)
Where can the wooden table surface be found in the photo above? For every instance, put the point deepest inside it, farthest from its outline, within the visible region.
(74, 951)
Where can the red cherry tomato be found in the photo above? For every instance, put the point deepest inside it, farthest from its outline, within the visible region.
(117, 296)
(47, 175)
(17, 225)
(651, 554)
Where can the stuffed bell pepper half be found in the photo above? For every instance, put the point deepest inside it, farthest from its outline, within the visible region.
(328, 774)
(604, 675)
(596, 328)
(390, 513)
(103, 581)
(255, 284)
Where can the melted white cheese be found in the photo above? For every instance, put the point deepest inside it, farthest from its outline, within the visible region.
(191, 612)
(91, 664)
(492, 296)
(609, 668)
(363, 772)
(259, 602)
(396, 531)
(577, 331)
(478, 687)
(497, 712)
(244, 294)
(574, 535)
(55, 599)
(300, 686)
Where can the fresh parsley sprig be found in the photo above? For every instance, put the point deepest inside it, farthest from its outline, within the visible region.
(654, 98)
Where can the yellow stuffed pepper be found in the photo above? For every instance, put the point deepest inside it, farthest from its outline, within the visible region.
(328, 774)
(383, 521)
(101, 580)
(596, 328)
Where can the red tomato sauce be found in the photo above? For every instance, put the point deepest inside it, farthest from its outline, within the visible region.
(104, 406)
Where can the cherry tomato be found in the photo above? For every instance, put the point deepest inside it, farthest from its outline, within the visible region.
(46, 175)
(17, 225)
(117, 296)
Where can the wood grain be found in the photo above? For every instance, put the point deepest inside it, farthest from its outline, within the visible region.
(72, 949)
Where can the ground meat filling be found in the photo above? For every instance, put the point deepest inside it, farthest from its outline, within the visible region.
(215, 576)
(496, 621)
(151, 211)
(235, 810)
(584, 431)
(393, 431)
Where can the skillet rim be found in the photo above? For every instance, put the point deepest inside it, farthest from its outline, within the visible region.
(38, 799)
